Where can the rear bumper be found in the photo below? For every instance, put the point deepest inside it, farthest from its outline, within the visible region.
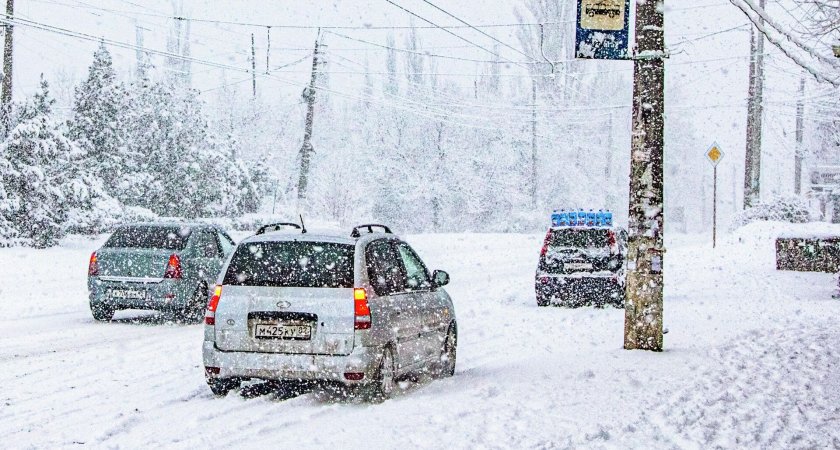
(299, 367)
(607, 287)
(168, 294)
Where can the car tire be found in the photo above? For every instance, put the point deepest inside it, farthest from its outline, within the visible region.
(542, 301)
(102, 313)
(449, 352)
(222, 386)
(384, 384)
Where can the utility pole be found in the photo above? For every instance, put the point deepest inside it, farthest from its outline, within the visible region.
(253, 67)
(800, 119)
(6, 98)
(533, 142)
(643, 309)
(752, 162)
(306, 149)
(267, 49)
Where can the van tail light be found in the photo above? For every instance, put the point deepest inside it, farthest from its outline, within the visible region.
(210, 314)
(173, 268)
(612, 241)
(93, 266)
(361, 308)
(545, 243)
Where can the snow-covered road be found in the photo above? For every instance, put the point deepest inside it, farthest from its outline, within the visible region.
(752, 360)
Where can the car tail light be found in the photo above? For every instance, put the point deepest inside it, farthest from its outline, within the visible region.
(361, 308)
(612, 241)
(545, 243)
(354, 376)
(210, 314)
(173, 267)
(93, 266)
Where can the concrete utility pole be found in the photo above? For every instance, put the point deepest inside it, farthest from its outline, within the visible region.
(643, 310)
(6, 98)
(752, 162)
(306, 149)
(800, 125)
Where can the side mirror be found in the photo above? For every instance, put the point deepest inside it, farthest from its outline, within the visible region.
(440, 278)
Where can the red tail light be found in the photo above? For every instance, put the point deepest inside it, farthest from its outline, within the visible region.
(173, 267)
(93, 266)
(612, 241)
(361, 308)
(210, 316)
(545, 243)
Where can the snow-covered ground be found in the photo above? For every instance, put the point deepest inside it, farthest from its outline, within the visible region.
(752, 361)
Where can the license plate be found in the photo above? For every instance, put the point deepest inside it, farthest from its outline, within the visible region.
(282, 331)
(127, 294)
(579, 266)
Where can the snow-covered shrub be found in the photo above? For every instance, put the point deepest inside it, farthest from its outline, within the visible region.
(790, 209)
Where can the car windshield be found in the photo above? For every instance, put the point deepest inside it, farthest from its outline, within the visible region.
(149, 236)
(292, 264)
(579, 238)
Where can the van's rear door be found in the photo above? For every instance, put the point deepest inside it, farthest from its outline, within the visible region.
(288, 297)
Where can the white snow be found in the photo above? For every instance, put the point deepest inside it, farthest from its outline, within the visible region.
(751, 361)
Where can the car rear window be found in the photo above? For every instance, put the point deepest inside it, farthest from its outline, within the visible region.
(579, 238)
(149, 236)
(292, 264)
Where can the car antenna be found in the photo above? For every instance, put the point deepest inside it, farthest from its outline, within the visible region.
(302, 226)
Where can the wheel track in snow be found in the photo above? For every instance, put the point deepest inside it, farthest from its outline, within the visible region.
(793, 398)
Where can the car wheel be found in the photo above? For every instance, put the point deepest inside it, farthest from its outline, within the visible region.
(542, 300)
(102, 313)
(384, 385)
(449, 352)
(222, 386)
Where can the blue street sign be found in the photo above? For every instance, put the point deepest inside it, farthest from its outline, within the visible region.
(603, 29)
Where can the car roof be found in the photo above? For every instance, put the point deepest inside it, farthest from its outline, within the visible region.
(169, 224)
(586, 227)
(336, 237)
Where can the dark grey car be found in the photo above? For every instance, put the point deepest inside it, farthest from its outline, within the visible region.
(167, 267)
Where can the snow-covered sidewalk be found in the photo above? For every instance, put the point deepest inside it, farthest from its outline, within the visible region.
(751, 361)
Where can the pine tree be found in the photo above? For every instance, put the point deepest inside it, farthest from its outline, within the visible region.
(41, 185)
(97, 124)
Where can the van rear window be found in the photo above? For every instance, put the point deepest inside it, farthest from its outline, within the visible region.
(579, 238)
(149, 236)
(292, 264)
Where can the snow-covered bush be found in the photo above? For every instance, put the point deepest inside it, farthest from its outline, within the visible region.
(790, 209)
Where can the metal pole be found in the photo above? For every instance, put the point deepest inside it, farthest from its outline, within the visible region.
(253, 66)
(714, 209)
(267, 49)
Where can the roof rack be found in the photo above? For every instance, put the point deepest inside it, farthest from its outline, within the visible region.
(277, 226)
(370, 226)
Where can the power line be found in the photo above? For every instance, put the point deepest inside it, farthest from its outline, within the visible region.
(304, 27)
(451, 32)
(415, 52)
(476, 29)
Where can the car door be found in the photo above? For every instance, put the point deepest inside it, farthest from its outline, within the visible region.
(226, 245)
(207, 255)
(429, 307)
(398, 306)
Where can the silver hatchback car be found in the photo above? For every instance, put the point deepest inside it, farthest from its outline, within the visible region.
(357, 311)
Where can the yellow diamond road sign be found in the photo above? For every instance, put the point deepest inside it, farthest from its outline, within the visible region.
(715, 154)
